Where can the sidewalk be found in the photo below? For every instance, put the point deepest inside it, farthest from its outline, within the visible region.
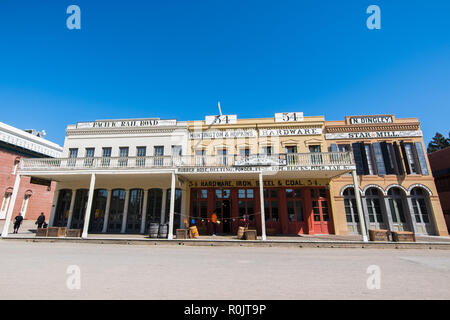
(27, 232)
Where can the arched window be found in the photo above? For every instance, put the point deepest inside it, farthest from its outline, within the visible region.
(26, 200)
(5, 204)
(16, 165)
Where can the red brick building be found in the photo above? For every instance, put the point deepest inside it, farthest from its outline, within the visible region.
(440, 165)
(32, 198)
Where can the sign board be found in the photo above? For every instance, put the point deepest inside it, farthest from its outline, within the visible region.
(224, 119)
(42, 182)
(289, 117)
(371, 119)
(290, 132)
(222, 134)
(133, 123)
(259, 161)
(255, 183)
(373, 135)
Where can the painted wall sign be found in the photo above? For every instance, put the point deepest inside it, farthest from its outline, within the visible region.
(373, 135)
(257, 169)
(42, 182)
(126, 123)
(224, 119)
(290, 132)
(288, 116)
(255, 183)
(225, 134)
(371, 119)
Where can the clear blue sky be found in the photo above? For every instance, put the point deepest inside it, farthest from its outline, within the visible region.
(176, 59)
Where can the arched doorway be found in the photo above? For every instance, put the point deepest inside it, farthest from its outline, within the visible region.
(116, 207)
(79, 209)
(422, 211)
(62, 208)
(154, 205)
(351, 211)
(98, 211)
(397, 205)
(373, 199)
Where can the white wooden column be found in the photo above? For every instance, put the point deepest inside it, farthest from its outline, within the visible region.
(172, 207)
(51, 218)
(108, 205)
(72, 204)
(125, 212)
(263, 215)
(163, 207)
(87, 214)
(362, 223)
(144, 211)
(11, 207)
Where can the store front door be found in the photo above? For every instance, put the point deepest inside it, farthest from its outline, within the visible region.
(223, 210)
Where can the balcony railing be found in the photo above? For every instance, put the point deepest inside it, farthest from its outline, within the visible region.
(293, 159)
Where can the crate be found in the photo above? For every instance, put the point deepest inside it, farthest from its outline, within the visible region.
(182, 233)
(41, 232)
(56, 231)
(250, 234)
(73, 233)
(378, 235)
(403, 236)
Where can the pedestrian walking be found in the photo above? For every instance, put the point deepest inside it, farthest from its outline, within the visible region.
(17, 222)
(214, 222)
(40, 220)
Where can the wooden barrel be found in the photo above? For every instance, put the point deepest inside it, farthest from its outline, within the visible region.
(153, 230)
(241, 231)
(163, 230)
(194, 231)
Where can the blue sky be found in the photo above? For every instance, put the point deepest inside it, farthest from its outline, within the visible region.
(176, 59)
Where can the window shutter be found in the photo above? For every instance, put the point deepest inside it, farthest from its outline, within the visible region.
(422, 159)
(398, 159)
(405, 157)
(334, 147)
(381, 168)
(364, 158)
(386, 158)
(358, 158)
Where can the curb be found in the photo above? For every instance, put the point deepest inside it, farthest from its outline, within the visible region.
(243, 243)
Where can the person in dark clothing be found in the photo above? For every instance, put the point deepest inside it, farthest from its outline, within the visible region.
(40, 220)
(17, 222)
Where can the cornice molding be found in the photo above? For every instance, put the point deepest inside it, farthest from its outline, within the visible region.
(373, 127)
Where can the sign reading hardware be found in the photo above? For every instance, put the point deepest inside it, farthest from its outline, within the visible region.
(371, 119)
(288, 116)
(224, 119)
(225, 134)
(373, 135)
(290, 132)
(127, 123)
(255, 183)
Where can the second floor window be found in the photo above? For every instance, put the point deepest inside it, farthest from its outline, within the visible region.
(141, 152)
(73, 154)
(89, 155)
(267, 151)
(106, 154)
(123, 154)
(176, 151)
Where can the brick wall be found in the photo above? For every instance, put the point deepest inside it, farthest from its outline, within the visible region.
(40, 200)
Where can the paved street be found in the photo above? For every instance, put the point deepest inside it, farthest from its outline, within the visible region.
(38, 270)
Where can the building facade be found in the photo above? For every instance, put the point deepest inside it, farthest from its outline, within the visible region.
(290, 174)
(440, 166)
(32, 197)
